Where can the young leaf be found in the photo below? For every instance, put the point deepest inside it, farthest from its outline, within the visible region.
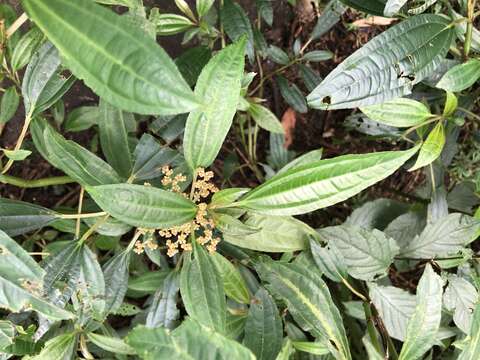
(425, 322)
(170, 24)
(367, 253)
(76, 161)
(460, 77)
(8, 105)
(25, 48)
(114, 140)
(265, 118)
(323, 183)
(309, 302)
(263, 329)
(400, 112)
(16, 155)
(111, 344)
(120, 62)
(202, 291)
(431, 148)
(163, 311)
(203, 6)
(371, 76)
(446, 236)
(233, 282)
(219, 87)
(143, 206)
(451, 104)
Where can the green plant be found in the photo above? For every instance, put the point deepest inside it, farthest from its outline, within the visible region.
(160, 259)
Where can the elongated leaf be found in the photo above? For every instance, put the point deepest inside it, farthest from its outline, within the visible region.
(116, 59)
(115, 273)
(237, 24)
(392, 7)
(18, 217)
(263, 329)
(446, 236)
(292, 95)
(92, 284)
(309, 302)
(192, 61)
(233, 282)
(82, 118)
(329, 260)
(170, 24)
(25, 48)
(111, 344)
(367, 253)
(399, 112)
(323, 183)
(460, 297)
(202, 291)
(372, 76)
(374, 7)
(431, 148)
(265, 10)
(43, 84)
(425, 322)
(461, 76)
(395, 306)
(8, 105)
(310, 157)
(163, 311)
(189, 341)
(203, 6)
(277, 234)
(61, 347)
(329, 17)
(76, 161)
(219, 87)
(149, 282)
(113, 138)
(143, 206)
(265, 118)
(472, 349)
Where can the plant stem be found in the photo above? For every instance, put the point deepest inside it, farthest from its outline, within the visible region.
(29, 184)
(80, 205)
(28, 119)
(82, 216)
(16, 25)
(92, 229)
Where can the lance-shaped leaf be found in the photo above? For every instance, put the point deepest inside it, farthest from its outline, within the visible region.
(323, 183)
(61, 347)
(233, 282)
(399, 112)
(76, 161)
(111, 344)
(309, 302)
(374, 7)
(219, 87)
(472, 349)
(119, 61)
(431, 148)
(446, 236)
(265, 118)
(202, 290)
(21, 281)
(143, 206)
(263, 329)
(92, 284)
(460, 76)
(366, 253)
(18, 217)
(372, 76)
(425, 322)
(163, 311)
(115, 273)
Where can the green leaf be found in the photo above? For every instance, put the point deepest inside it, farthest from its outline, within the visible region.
(237, 24)
(263, 329)
(202, 290)
(149, 282)
(43, 83)
(119, 61)
(115, 273)
(203, 6)
(329, 260)
(111, 344)
(18, 217)
(372, 76)
(114, 140)
(61, 347)
(472, 349)
(277, 55)
(451, 104)
(150, 157)
(446, 236)
(277, 234)
(392, 7)
(83, 118)
(406, 227)
(92, 284)
(16, 155)
(367, 253)
(318, 55)
(8, 105)
(315, 348)
(309, 302)
(307, 158)
(460, 297)
(425, 322)
(374, 7)
(460, 77)
(25, 48)
(400, 112)
(219, 87)
(265, 10)
(376, 214)
(310, 77)
(323, 183)
(192, 61)
(292, 95)
(170, 24)
(233, 283)
(395, 306)
(76, 161)
(7, 334)
(163, 311)
(431, 148)
(328, 18)
(143, 206)
(21, 280)
(265, 118)
(189, 341)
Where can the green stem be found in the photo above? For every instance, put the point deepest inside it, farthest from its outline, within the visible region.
(16, 181)
(468, 33)
(372, 333)
(272, 74)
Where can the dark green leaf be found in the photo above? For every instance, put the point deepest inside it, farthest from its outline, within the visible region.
(292, 95)
(115, 273)
(192, 61)
(236, 24)
(82, 118)
(8, 105)
(163, 311)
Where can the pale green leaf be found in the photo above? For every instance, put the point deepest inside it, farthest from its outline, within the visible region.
(16, 155)
(431, 148)
(233, 282)
(460, 297)
(265, 118)
(472, 349)
(61, 347)
(460, 76)
(25, 48)
(400, 112)
(8, 105)
(111, 344)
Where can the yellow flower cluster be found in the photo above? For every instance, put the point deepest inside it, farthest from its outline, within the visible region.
(176, 237)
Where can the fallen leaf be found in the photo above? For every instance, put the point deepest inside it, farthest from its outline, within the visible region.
(289, 119)
(373, 21)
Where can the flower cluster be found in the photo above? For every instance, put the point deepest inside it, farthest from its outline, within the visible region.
(176, 237)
